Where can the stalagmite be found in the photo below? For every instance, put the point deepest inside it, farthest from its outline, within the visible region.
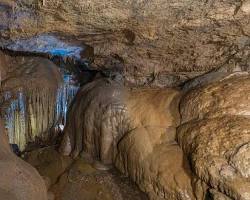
(134, 129)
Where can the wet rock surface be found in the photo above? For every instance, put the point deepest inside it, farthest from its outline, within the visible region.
(215, 135)
(148, 152)
(97, 121)
(126, 116)
(134, 129)
(117, 125)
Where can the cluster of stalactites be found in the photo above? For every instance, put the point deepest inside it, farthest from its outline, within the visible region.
(31, 116)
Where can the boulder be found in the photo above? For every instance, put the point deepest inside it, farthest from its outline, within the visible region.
(214, 135)
(228, 96)
(19, 181)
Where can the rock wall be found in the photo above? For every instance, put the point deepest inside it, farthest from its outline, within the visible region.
(133, 129)
(148, 153)
(19, 181)
(215, 135)
(29, 87)
(165, 42)
(96, 120)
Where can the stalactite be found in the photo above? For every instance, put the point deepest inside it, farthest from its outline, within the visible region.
(65, 95)
(30, 117)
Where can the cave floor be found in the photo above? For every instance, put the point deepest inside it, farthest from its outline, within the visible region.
(69, 179)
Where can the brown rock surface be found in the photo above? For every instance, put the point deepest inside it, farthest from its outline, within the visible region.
(218, 150)
(69, 179)
(145, 39)
(215, 136)
(18, 181)
(160, 169)
(82, 181)
(218, 196)
(148, 152)
(228, 96)
(49, 163)
(135, 129)
(96, 121)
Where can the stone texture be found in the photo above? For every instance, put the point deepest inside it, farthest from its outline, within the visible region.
(29, 93)
(133, 129)
(144, 39)
(215, 195)
(49, 163)
(215, 135)
(82, 181)
(230, 96)
(213, 145)
(69, 179)
(148, 152)
(155, 43)
(96, 121)
(160, 169)
(19, 181)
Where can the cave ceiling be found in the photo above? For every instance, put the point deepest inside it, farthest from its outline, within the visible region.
(167, 42)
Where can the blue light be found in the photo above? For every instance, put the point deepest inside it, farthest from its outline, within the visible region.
(17, 122)
(47, 44)
(60, 52)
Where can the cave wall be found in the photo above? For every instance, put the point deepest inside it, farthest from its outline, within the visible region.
(19, 180)
(175, 144)
(133, 129)
(154, 42)
(34, 99)
(215, 134)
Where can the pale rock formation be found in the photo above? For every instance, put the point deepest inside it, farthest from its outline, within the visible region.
(148, 152)
(29, 90)
(133, 129)
(227, 96)
(18, 181)
(96, 121)
(215, 135)
(159, 167)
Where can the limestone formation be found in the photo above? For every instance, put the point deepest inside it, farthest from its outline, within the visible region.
(133, 129)
(228, 96)
(159, 167)
(29, 88)
(148, 152)
(49, 163)
(215, 136)
(151, 42)
(18, 181)
(138, 52)
(96, 121)
(215, 195)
